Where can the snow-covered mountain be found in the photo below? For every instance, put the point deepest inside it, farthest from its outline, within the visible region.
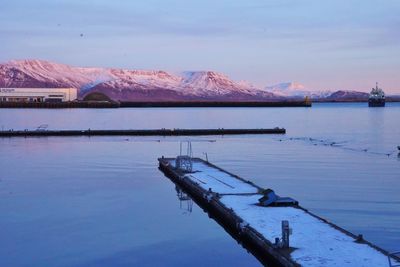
(129, 85)
(39, 73)
(152, 85)
(295, 90)
(346, 95)
(212, 83)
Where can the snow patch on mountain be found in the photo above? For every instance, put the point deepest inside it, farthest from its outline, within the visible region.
(212, 84)
(56, 74)
(295, 89)
(348, 95)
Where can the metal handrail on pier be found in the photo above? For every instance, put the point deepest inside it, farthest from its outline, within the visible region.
(391, 256)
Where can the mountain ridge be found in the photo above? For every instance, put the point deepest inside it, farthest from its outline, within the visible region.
(153, 85)
(128, 85)
(295, 89)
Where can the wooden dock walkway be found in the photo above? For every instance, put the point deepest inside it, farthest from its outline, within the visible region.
(150, 132)
(233, 202)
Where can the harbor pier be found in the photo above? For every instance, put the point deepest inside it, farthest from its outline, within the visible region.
(263, 222)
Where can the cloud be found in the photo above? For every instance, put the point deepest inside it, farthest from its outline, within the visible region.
(252, 37)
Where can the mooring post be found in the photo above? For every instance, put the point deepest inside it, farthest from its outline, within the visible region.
(285, 234)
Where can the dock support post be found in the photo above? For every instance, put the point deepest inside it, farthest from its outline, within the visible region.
(285, 234)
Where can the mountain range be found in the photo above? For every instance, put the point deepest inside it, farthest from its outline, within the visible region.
(154, 85)
(295, 89)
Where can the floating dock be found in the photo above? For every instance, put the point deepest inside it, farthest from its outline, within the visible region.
(155, 132)
(235, 204)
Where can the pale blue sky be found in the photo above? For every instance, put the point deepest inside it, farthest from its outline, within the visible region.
(322, 44)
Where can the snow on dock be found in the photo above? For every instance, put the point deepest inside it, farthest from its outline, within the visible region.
(220, 182)
(316, 243)
(235, 201)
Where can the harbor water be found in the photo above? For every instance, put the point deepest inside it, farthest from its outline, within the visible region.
(101, 201)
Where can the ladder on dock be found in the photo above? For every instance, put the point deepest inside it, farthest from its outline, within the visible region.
(390, 258)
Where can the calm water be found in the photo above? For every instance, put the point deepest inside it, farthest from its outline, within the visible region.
(101, 201)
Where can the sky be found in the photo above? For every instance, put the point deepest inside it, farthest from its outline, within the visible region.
(324, 45)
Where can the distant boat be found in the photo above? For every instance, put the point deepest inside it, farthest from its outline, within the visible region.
(376, 97)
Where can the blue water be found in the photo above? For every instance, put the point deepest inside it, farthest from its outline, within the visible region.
(101, 201)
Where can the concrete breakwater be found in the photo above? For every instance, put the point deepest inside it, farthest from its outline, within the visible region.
(59, 105)
(222, 104)
(150, 132)
(154, 104)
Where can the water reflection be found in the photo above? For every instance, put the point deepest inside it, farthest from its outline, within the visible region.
(83, 193)
(185, 202)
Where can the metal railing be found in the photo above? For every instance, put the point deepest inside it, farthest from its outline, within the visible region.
(393, 259)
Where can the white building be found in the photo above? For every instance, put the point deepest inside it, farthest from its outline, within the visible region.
(38, 94)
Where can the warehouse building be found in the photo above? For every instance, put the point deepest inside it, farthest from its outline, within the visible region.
(38, 94)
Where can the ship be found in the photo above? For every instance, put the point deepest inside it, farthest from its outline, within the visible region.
(376, 97)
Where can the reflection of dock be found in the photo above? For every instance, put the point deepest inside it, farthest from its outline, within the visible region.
(155, 132)
(260, 220)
